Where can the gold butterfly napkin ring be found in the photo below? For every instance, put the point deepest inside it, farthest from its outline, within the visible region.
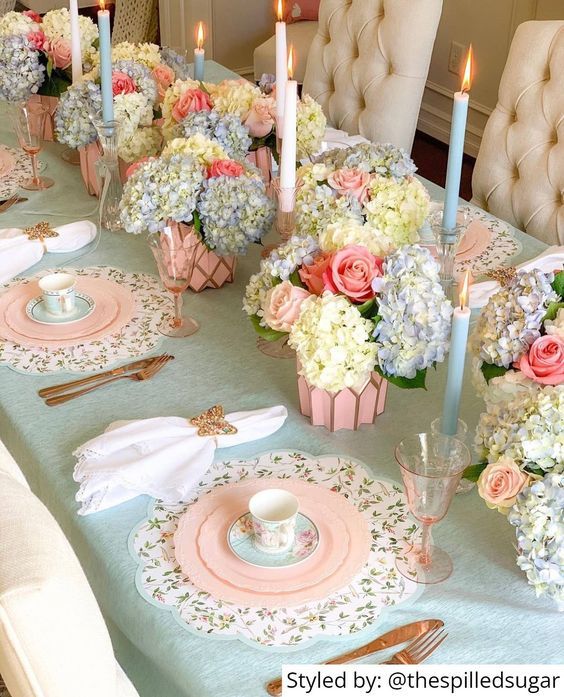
(40, 231)
(212, 423)
(504, 275)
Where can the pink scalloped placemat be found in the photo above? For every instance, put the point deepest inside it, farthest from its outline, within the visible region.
(474, 242)
(234, 498)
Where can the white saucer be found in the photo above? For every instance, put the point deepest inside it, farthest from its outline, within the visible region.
(35, 310)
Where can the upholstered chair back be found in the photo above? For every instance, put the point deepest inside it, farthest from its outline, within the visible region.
(519, 173)
(135, 21)
(368, 65)
(53, 640)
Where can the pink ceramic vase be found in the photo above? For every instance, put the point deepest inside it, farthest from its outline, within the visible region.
(50, 103)
(262, 159)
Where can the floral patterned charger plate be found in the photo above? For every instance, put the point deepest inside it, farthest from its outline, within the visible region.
(356, 607)
(240, 541)
(15, 167)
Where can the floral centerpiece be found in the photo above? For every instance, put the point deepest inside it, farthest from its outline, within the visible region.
(519, 347)
(35, 53)
(195, 182)
(354, 314)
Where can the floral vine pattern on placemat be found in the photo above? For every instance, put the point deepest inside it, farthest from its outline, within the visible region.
(21, 170)
(352, 609)
(138, 337)
(503, 245)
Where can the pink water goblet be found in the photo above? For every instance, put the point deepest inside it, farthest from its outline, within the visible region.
(29, 124)
(431, 466)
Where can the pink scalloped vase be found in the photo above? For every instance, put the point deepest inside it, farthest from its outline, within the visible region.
(210, 270)
(89, 156)
(262, 159)
(347, 409)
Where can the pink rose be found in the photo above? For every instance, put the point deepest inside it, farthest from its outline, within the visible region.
(282, 305)
(260, 118)
(350, 182)
(351, 273)
(37, 39)
(545, 361)
(312, 274)
(33, 16)
(191, 100)
(59, 51)
(164, 77)
(500, 482)
(135, 165)
(122, 83)
(226, 168)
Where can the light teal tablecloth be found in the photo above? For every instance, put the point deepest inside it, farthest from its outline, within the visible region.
(491, 613)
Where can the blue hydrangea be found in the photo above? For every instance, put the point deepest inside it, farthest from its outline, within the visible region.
(227, 130)
(142, 77)
(414, 329)
(21, 73)
(235, 211)
(73, 118)
(380, 158)
(177, 62)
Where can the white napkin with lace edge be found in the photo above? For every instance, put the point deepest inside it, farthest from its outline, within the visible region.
(163, 457)
(18, 253)
(550, 260)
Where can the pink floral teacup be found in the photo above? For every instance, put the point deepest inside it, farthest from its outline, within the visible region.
(273, 513)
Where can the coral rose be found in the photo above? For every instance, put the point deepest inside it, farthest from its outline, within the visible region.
(164, 77)
(312, 274)
(260, 118)
(351, 273)
(59, 51)
(545, 361)
(192, 100)
(122, 83)
(226, 168)
(135, 165)
(350, 182)
(37, 39)
(33, 16)
(500, 482)
(282, 305)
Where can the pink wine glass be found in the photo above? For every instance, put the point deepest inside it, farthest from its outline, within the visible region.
(431, 467)
(29, 123)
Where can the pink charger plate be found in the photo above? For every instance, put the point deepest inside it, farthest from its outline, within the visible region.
(188, 553)
(115, 306)
(7, 162)
(475, 240)
(333, 547)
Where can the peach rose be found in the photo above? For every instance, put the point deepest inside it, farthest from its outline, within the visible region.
(351, 273)
(164, 77)
(260, 118)
(283, 304)
(500, 482)
(59, 51)
(350, 182)
(227, 168)
(312, 274)
(122, 83)
(192, 100)
(545, 361)
(37, 39)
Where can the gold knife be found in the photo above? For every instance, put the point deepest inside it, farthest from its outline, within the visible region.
(395, 636)
(136, 365)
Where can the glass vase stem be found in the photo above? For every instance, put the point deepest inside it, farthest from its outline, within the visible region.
(177, 321)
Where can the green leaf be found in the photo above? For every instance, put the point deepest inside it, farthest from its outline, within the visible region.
(490, 371)
(552, 310)
(197, 222)
(54, 85)
(265, 332)
(558, 284)
(473, 472)
(405, 383)
(49, 68)
(295, 279)
(369, 309)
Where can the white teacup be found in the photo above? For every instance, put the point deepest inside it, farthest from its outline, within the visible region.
(273, 514)
(58, 291)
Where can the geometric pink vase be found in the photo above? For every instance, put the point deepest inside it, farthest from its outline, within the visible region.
(262, 159)
(345, 409)
(89, 156)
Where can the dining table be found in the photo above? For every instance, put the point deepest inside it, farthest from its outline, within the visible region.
(491, 614)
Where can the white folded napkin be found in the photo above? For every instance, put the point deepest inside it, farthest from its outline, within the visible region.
(550, 260)
(163, 457)
(18, 253)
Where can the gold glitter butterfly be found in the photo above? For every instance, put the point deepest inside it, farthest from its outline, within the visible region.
(40, 231)
(212, 423)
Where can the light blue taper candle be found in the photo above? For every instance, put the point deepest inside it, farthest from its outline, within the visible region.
(199, 54)
(106, 64)
(456, 358)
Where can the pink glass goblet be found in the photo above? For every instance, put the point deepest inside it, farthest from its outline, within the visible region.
(431, 466)
(29, 124)
(175, 250)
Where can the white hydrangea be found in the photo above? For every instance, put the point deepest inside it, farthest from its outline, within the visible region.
(144, 142)
(132, 111)
(56, 25)
(310, 126)
(332, 343)
(17, 24)
(145, 53)
(234, 96)
(339, 235)
(318, 206)
(205, 151)
(556, 326)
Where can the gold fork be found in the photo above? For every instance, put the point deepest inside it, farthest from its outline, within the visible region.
(8, 203)
(140, 375)
(419, 649)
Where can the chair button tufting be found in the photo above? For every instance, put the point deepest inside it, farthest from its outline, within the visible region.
(390, 69)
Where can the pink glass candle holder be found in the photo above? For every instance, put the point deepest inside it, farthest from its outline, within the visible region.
(285, 208)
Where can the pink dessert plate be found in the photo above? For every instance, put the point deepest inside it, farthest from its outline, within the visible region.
(188, 538)
(115, 307)
(214, 549)
(474, 242)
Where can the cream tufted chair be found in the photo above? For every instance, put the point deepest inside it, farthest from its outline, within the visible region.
(519, 173)
(6, 6)
(368, 65)
(135, 21)
(53, 640)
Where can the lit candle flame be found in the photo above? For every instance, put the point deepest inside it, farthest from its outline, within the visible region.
(280, 11)
(463, 297)
(102, 5)
(467, 79)
(291, 61)
(200, 35)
